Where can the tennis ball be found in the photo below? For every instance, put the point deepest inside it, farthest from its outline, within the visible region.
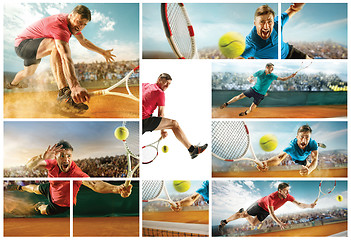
(181, 185)
(339, 198)
(121, 133)
(232, 44)
(165, 149)
(268, 142)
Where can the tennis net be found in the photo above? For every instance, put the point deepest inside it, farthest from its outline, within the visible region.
(172, 229)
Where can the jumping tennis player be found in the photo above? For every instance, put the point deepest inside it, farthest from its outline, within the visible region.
(265, 206)
(299, 149)
(262, 41)
(153, 97)
(58, 161)
(50, 36)
(188, 201)
(264, 80)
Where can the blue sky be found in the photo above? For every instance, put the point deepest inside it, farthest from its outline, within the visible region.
(89, 139)
(339, 68)
(210, 22)
(332, 134)
(113, 26)
(315, 22)
(229, 196)
(326, 21)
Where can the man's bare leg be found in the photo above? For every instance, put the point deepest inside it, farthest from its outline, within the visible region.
(178, 132)
(234, 99)
(26, 72)
(252, 107)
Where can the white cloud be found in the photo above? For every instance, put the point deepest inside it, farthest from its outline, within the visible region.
(106, 23)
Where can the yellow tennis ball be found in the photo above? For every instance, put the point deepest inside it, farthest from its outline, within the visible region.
(181, 185)
(232, 44)
(165, 149)
(121, 133)
(339, 198)
(268, 142)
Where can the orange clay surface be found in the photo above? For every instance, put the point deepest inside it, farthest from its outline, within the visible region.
(329, 111)
(44, 105)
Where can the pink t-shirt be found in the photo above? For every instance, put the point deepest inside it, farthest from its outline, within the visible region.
(153, 97)
(55, 26)
(59, 190)
(274, 200)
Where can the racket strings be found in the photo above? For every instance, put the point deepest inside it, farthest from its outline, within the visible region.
(327, 187)
(151, 189)
(149, 153)
(179, 29)
(230, 139)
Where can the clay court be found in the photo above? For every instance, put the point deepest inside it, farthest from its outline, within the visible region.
(60, 227)
(339, 172)
(319, 231)
(326, 111)
(200, 217)
(44, 105)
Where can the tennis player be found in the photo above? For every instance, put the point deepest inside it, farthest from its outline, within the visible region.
(300, 148)
(188, 201)
(153, 97)
(50, 36)
(265, 206)
(262, 41)
(58, 161)
(264, 80)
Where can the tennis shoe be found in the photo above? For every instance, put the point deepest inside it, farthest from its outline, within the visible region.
(67, 104)
(198, 150)
(14, 187)
(19, 85)
(224, 105)
(221, 227)
(243, 113)
(322, 145)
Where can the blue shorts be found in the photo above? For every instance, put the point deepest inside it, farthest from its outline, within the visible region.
(250, 93)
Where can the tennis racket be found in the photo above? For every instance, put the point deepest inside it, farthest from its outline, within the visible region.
(303, 66)
(178, 30)
(325, 188)
(150, 151)
(130, 94)
(133, 140)
(231, 141)
(152, 190)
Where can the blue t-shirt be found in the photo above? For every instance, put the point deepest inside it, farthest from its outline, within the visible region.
(285, 46)
(264, 81)
(203, 191)
(297, 154)
(262, 49)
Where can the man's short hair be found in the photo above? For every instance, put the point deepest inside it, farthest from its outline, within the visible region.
(83, 11)
(283, 185)
(65, 145)
(304, 128)
(269, 65)
(263, 10)
(166, 76)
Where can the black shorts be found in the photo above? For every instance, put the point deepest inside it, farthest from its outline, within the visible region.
(295, 53)
(250, 93)
(28, 49)
(151, 123)
(304, 163)
(256, 210)
(52, 208)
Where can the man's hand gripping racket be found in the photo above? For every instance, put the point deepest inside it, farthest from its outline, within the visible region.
(152, 189)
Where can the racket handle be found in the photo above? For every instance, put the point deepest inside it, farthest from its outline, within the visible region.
(315, 201)
(173, 204)
(259, 163)
(96, 93)
(127, 183)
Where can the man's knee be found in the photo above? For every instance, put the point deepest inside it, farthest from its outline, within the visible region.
(174, 124)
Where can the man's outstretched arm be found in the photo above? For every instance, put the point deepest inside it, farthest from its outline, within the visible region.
(294, 8)
(104, 187)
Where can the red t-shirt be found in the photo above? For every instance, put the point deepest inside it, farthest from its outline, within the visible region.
(274, 200)
(55, 26)
(59, 190)
(153, 97)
